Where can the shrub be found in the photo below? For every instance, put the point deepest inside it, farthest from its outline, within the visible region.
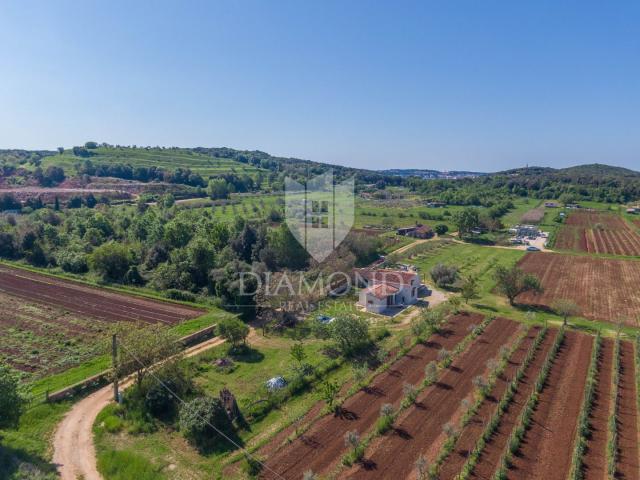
(180, 295)
(201, 419)
(444, 275)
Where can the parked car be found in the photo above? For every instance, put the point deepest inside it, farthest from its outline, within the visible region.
(531, 248)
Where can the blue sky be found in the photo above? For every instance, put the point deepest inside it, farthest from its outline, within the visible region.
(479, 85)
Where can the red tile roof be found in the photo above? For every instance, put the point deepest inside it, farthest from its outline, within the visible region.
(382, 290)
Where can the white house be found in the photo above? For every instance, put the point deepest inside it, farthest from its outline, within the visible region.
(386, 288)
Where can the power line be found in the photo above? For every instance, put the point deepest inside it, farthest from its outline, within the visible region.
(217, 430)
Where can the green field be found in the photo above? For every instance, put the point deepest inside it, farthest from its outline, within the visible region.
(169, 159)
(471, 260)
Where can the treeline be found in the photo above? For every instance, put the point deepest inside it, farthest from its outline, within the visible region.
(539, 184)
(184, 253)
(183, 176)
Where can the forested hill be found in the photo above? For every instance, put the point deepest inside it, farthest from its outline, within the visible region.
(593, 169)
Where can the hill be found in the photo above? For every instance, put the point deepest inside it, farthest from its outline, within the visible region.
(599, 169)
(166, 158)
(588, 170)
(422, 173)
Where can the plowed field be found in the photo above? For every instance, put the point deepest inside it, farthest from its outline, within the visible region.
(594, 232)
(603, 288)
(47, 324)
(321, 447)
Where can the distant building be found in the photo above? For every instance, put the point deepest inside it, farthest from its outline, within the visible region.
(572, 205)
(526, 231)
(551, 204)
(417, 231)
(633, 210)
(436, 204)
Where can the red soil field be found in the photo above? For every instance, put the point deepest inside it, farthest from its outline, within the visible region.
(420, 428)
(597, 232)
(92, 302)
(476, 426)
(595, 459)
(603, 288)
(495, 447)
(548, 445)
(322, 445)
(628, 467)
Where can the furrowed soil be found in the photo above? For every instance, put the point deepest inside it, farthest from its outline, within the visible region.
(321, 447)
(495, 447)
(419, 430)
(476, 426)
(548, 444)
(595, 458)
(627, 466)
(600, 233)
(603, 288)
(93, 302)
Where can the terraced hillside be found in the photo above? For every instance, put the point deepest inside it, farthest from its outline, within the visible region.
(167, 158)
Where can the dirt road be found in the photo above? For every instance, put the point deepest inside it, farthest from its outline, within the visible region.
(74, 452)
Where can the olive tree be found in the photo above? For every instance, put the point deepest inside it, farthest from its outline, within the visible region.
(565, 308)
(513, 281)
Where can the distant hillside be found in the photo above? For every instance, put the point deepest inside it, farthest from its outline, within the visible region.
(600, 169)
(422, 173)
(595, 169)
(167, 158)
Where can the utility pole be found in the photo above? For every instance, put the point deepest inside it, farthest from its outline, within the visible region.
(114, 362)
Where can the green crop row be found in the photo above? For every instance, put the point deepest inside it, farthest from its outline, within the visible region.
(584, 427)
(355, 455)
(612, 438)
(524, 421)
(506, 399)
(481, 395)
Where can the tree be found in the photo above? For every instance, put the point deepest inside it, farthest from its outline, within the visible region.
(455, 303)
(297, 353)
(565, 308)
(466, 220)
(111, 260)
(201, 420)
(352, 439)
(351, 333)
(141, 348)
(422, 466)
(441, 229)
(470, 288)
(329, 391)
(60, 150)
(444, 275)
(11, 402)
(234, 331)
(218, 189)
(513, 281)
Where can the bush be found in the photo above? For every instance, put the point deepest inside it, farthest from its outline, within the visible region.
(112, 260)
(180, 295)
(198, 418)
(444, 275)
(71, 261)
(350, 333)
(234, 331)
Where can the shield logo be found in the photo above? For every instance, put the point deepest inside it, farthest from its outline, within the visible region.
(319, 214)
